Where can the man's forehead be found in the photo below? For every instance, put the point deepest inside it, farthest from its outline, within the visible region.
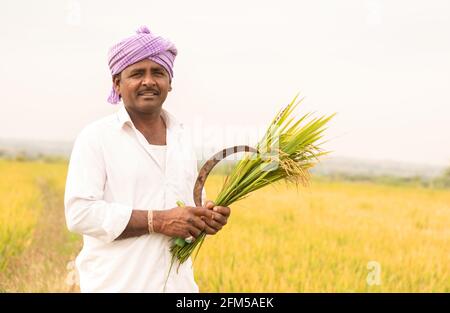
(144, 64)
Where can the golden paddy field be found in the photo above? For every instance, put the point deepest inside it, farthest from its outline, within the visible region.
(329, 237)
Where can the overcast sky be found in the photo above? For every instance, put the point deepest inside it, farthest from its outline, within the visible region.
(383, 66)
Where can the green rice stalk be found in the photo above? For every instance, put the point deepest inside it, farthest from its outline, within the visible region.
(288, 149)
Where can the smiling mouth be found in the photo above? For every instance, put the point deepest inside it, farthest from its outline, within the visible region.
(148, 94)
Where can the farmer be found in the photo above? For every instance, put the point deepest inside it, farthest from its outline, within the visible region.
(126, 173)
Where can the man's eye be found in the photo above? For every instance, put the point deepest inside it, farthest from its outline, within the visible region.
(135, 74)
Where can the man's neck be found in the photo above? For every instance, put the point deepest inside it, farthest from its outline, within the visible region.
(151, 125)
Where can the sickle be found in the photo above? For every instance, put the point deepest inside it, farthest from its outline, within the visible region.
(208, 166)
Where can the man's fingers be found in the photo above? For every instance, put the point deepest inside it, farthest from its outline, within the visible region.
(222, 210)
(213, 224)
(198, 223)
(194, 232)
(209, 218)
(201, 211)
(210, 230)
(209, 204)
(219, 218)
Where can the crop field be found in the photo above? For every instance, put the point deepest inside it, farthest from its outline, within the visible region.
(328, 237)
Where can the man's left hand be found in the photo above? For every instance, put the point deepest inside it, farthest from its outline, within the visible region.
(219, 218)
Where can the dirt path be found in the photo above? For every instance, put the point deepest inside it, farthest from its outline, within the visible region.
(45, 265)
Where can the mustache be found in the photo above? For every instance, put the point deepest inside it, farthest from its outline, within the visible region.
(155, 91)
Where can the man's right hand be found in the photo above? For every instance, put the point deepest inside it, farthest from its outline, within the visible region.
(181, 221)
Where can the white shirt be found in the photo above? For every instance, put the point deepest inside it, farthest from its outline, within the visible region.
(112, 171)
(160, 155)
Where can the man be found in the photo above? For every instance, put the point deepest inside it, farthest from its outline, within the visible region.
(126, 173)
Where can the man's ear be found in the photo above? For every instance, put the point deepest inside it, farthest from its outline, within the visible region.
(170, 86)
(116, 83)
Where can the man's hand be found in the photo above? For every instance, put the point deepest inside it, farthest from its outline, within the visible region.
(181, 221)
(218, 219)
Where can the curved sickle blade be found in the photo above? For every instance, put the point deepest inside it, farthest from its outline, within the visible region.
(208, 166)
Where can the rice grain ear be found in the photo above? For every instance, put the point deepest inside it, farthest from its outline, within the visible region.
(291, 143)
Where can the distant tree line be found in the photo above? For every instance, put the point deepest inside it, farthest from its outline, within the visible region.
(23, 156)
(225, 166)
(441, 181)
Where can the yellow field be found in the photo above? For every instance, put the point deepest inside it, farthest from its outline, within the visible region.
(34, 243)
(343, 237)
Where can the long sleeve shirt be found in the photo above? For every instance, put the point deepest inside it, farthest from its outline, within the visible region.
(112, 171)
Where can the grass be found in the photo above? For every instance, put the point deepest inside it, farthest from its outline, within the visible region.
(35, 246)
(20, 206)
(316, 239)
(323, 239)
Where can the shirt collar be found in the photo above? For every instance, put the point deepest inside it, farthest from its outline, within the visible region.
(171, 122)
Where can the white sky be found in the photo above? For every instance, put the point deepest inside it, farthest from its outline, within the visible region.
(383, 66)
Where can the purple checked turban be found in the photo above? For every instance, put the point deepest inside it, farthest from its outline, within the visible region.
(143, 45)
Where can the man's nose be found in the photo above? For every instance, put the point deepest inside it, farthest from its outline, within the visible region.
(148, 80)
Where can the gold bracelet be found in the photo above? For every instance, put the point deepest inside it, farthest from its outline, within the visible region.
(150, 222)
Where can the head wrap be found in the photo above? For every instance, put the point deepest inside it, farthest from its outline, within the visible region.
(143, 45)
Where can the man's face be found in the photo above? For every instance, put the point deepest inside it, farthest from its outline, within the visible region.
(143, 86)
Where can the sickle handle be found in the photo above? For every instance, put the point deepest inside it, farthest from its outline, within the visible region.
(209, 165)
